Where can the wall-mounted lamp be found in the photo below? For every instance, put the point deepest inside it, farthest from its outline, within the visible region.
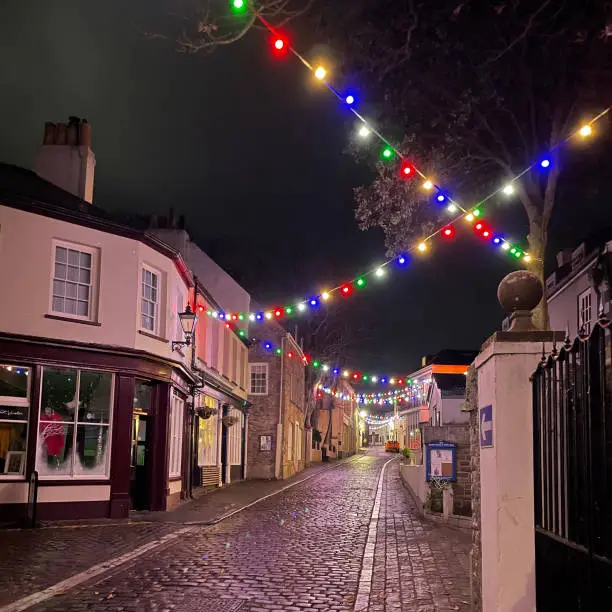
(188, 320)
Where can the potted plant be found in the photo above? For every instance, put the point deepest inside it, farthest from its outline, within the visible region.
(205, 412)
(228, 421)
(405, 454)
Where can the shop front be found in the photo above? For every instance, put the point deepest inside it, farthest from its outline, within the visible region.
(102, 427)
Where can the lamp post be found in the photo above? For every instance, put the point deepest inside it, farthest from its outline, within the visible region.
(188, 320)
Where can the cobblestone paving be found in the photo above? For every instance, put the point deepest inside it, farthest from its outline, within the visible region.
(418, 566)
(299, 550)
(31, 560)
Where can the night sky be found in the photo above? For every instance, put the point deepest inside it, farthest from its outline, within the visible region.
(254, 156)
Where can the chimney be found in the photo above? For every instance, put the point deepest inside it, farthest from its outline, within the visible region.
(66, 159)
(564, 257)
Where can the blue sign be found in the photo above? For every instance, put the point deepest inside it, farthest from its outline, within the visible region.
(441, 461)
(485, 425)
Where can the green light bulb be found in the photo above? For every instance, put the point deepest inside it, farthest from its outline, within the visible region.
(360, 282)
(241, 317)
(239, 5)
(387, 153)
(288, 310)
(366, 377)
(315, 364)
(476, 212)
(278, 351)
(241, 333)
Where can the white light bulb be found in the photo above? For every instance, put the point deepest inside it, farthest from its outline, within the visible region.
(380, 272)
(364, 132)
(452, 208)
(508, 189)
(301, 307)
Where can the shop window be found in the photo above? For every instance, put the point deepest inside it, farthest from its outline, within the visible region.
(73, 275)
(176, 436)
(74, 424)
(14, 412)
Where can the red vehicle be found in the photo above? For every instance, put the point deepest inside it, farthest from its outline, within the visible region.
(392, 447)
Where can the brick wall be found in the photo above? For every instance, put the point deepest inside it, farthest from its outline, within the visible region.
(458, 434)
(264, 414)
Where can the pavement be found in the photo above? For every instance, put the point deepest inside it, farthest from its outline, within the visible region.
(337, 538)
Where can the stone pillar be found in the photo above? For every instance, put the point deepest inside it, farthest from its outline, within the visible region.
(505, 426)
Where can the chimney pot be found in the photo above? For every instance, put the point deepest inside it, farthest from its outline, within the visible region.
(60, 134)
(49, 135)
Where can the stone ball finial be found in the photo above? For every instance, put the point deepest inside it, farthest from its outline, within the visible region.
(519, 293)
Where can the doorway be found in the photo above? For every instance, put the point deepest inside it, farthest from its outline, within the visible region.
(141, 444)
(139, 486)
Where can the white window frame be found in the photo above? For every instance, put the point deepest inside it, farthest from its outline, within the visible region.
(583, 298)
(93, 280)
(22, 402)
(75, 423)
(175, 449)
(263, 369)
(157, 314)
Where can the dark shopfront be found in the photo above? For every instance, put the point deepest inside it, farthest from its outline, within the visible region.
(104, 428)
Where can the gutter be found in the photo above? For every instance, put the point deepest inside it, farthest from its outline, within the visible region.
(279, 425)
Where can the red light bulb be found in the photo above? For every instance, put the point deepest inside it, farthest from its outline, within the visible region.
(278, 313)
(406, 170)
(280, 46)
(290, 355)
(478, 226)
(448, 232)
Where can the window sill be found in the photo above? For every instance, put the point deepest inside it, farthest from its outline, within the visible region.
(153, 336)
(72, 320)
(58, 481)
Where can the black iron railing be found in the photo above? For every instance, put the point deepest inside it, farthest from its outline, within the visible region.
(572, 443)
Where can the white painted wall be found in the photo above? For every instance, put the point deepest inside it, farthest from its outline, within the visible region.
(26, 264)
(81, 493)
(506, 476)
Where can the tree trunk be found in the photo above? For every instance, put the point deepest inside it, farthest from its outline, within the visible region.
(537, 246)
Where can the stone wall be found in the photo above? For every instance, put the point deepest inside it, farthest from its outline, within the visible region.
(458, 434)
(476, 555)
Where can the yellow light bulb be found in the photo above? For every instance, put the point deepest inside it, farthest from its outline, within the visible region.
(527, 258)
(469, 217)
(586, 130)
(427, 185)
(422, 247)
(345, 373)
(268, 315)
(325, 295)
(320, 73)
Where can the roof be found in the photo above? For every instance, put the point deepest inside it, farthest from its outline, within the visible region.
(452, 357)
(25, 190)
(450, 384)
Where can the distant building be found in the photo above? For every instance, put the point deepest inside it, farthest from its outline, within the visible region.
(338, 421)
(438, 397)
(277, 439)
(221, 356)
(580, 285)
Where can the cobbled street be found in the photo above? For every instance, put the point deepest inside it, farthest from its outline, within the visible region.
(310, 547)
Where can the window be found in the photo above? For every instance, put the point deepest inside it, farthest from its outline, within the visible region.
(584, 312)
(298, 441)
(149, 300)
(176, 436)
(72, 290)
(207, 434)
(234, 437)
(258, 378)
(290, 435)
(75, 424)
(14, 412)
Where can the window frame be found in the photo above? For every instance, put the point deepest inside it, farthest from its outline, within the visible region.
(582, 299)
(266, 371)
(75, 424)
(141, 300)
(175, 448)
(93, 279)
(7, 400)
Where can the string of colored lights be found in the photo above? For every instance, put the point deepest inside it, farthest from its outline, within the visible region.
(408, 170)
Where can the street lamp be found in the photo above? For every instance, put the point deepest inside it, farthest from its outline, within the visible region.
(188, 321)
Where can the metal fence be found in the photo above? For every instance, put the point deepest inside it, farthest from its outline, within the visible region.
(572, 443)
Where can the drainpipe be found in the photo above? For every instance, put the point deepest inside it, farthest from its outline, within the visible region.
(279, 425)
